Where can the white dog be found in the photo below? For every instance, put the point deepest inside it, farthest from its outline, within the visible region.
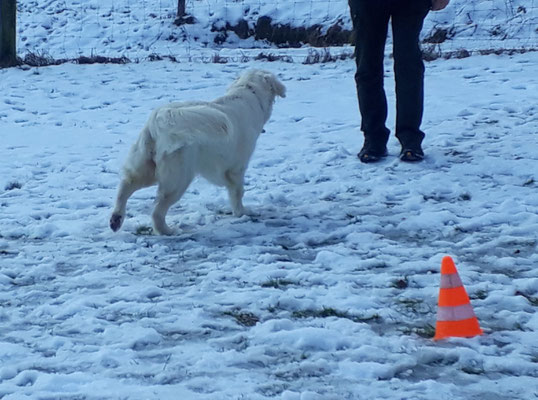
(214, 139)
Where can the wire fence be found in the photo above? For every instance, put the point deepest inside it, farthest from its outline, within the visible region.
(138, 29)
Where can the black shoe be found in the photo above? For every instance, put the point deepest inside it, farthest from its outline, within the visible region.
(411, 142)
(369, 154)
(412, 154)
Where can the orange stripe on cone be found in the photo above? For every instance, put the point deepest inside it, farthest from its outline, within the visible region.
(465, 328)
(452, 299)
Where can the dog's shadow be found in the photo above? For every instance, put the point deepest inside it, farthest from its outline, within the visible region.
(269, 229)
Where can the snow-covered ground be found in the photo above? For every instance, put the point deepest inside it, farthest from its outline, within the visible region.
(328, 292)
(137, 29)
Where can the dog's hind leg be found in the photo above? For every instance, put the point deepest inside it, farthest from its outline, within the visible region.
(174, 176)
(234, 185)
(130, 184)
(127, 188)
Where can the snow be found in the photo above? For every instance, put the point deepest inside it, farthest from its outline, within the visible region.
(328, 291)
(139, 29)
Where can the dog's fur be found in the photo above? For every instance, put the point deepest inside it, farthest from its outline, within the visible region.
(214, 139)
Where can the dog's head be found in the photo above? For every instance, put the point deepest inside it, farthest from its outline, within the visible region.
(273, 83)
(264, 80)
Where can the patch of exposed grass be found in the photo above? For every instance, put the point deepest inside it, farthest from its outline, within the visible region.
(426, 331)
(96, 59)
(144, 230)
(413, 308)
(7, 253)
(412, 304)
(38, 59)
(530, 182)
(465, 197)
(12, 186)
(218, 59)
(401, 283)
(473, 370)
(278, 283)
(244, 318)
(273, 57)
(532, 299)
(328, 312)
(324, 56)
(479, 294)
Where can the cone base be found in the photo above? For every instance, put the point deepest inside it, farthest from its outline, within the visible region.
(464, 328)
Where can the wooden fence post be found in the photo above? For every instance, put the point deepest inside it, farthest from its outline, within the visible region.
(180, 8)
(8, 33)
(182, 17)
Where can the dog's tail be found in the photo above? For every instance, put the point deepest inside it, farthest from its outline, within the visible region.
(174, 127)
(140, 163)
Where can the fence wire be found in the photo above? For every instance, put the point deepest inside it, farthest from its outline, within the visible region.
(138, 29)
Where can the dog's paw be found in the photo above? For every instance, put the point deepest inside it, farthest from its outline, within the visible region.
(164, 231)
(245, 211)
(115, 221)
(239, 212)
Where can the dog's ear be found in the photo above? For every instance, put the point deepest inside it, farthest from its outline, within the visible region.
(276, 86)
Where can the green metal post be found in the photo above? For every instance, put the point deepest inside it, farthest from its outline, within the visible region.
(8, 33)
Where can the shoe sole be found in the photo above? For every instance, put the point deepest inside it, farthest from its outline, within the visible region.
(411, 156)
(371, 158)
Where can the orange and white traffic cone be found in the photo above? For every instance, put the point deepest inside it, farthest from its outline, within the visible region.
(455, 315)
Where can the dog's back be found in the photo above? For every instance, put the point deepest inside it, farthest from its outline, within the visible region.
(177, 125)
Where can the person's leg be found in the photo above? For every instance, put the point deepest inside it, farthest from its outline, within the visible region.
(407, 20)
(370, 24)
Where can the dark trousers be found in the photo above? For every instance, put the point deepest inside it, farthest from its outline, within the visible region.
(370, 22)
